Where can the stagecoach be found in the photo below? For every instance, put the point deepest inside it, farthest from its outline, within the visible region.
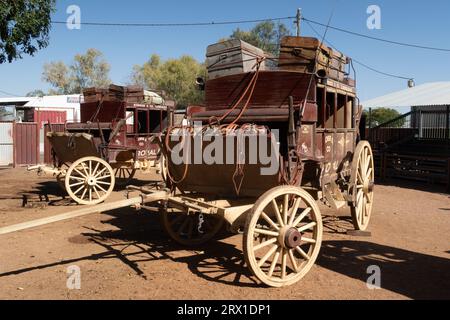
(300, 108)
(117, 135)
(307, 98)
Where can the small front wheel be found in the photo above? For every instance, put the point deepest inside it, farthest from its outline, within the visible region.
(89, 180)
(193, 229)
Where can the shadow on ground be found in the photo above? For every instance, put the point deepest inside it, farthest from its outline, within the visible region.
(412, 274)
(140, 238)
(52, 194)
(415, 185)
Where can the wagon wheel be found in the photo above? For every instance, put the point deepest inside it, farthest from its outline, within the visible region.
(90, 180)
(362, 185)
(282, 236)
(124, 175)
(187, 229)
(163, 167)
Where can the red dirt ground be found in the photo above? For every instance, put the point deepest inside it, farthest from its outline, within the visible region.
(124, 254)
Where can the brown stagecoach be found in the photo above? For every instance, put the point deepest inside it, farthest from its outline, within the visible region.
(118, 134)
(304, 94)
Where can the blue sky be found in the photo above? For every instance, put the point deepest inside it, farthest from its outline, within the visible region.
(421, 22)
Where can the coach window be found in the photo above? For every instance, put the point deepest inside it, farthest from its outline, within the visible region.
(155, 121)
(143, 126)
(330, 110)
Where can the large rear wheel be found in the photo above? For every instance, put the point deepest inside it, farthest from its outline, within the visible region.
(282, 236)
(362, 182)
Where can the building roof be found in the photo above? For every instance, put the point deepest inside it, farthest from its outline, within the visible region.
(15, 100)
(60, 101)
(428, 94)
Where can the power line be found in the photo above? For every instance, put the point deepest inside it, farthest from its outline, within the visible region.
(377, 39)
(185, 24)
(8, 94)
(359, 62)
(381, 72)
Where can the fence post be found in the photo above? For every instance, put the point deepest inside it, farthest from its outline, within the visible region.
(420, 124)
(14, 143)
(447, 125)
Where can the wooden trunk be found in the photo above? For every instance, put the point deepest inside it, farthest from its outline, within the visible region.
(299, 54)
(232, 57)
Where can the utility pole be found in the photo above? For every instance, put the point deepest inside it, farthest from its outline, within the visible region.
(298, 19)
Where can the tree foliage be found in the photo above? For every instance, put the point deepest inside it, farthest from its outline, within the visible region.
(265, 35)
(175, 76)
(382, 115)
(36, 93)
(86, 70)
(24, 27)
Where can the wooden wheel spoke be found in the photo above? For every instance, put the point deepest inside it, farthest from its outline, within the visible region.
(84, 193)
(274, 263)
(285, 208)
(96, 192)
(283, 263)
(266, 232)
(301, 217)
(294, 210)
(100, 172)
(292, 259)
(360, 178)
(308, 240)
(78, 190)
(267, 256)
(79, 172)
(103, 182)
(83, 165)
(269, 221)
(95, 169)
(369, 173)
(77, 178)
(76, 184)
(277, 212)
(265, 244)
(101, 188)
(103, 177)
(302, 253)
(307, 227)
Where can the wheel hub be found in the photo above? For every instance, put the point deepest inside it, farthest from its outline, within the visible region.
(290, 238)
(91, 181)
(368, 186)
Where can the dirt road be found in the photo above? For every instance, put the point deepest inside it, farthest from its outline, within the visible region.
(124, 254)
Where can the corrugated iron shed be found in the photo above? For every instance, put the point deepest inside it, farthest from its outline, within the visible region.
(429, 94)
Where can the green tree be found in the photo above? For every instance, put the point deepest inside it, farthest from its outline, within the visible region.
(265, 35)
(175, 76)
(24, 27)
(86, 70)
(89, 70)
(36, 93)
(380, 116)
